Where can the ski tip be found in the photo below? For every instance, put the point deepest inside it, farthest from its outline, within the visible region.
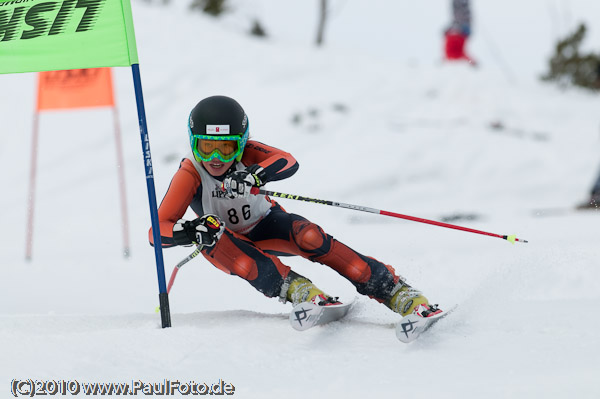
(412, 326)
(157, 310)
(305, 315)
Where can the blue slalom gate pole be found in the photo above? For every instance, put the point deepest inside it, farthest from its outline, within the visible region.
(163, 296)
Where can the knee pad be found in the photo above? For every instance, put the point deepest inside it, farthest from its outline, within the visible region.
(310, 238)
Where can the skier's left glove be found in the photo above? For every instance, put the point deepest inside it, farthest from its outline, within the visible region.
(239, 183)
(205, 230)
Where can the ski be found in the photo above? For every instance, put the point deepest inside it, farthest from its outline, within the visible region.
(413, 325)
(307, 315)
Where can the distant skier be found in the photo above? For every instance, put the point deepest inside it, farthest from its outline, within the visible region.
(242, 233)
(458, 32)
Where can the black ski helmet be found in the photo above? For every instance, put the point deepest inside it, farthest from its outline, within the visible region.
(219, 116)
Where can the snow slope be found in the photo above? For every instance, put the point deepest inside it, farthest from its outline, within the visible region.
(380, 122)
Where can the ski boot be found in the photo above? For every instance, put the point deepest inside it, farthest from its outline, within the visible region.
(312, 307)
(301, 290)
(406, 300)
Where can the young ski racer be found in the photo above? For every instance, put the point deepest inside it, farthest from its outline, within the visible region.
(243, 234)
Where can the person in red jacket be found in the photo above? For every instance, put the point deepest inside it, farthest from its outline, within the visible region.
(457, 34)
(244, 234)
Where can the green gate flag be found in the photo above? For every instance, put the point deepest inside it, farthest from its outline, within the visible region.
(49, 35)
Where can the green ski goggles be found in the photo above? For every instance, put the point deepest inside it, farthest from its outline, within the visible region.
(224, 148)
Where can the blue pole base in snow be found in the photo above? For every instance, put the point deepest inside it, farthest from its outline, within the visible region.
(165, 314)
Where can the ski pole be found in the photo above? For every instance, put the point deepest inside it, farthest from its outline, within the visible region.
(180, 264)
(256, 190)
(177, 267)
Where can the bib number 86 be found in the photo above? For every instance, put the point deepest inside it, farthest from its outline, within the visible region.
(233, 214)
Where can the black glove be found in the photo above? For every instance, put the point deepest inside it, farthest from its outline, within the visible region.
(239, 183)
(205, 231)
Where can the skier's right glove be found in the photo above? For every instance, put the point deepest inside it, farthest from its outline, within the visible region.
(239, 183)
(205, 230)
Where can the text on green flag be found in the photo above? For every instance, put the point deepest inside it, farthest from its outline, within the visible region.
(46, 35)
